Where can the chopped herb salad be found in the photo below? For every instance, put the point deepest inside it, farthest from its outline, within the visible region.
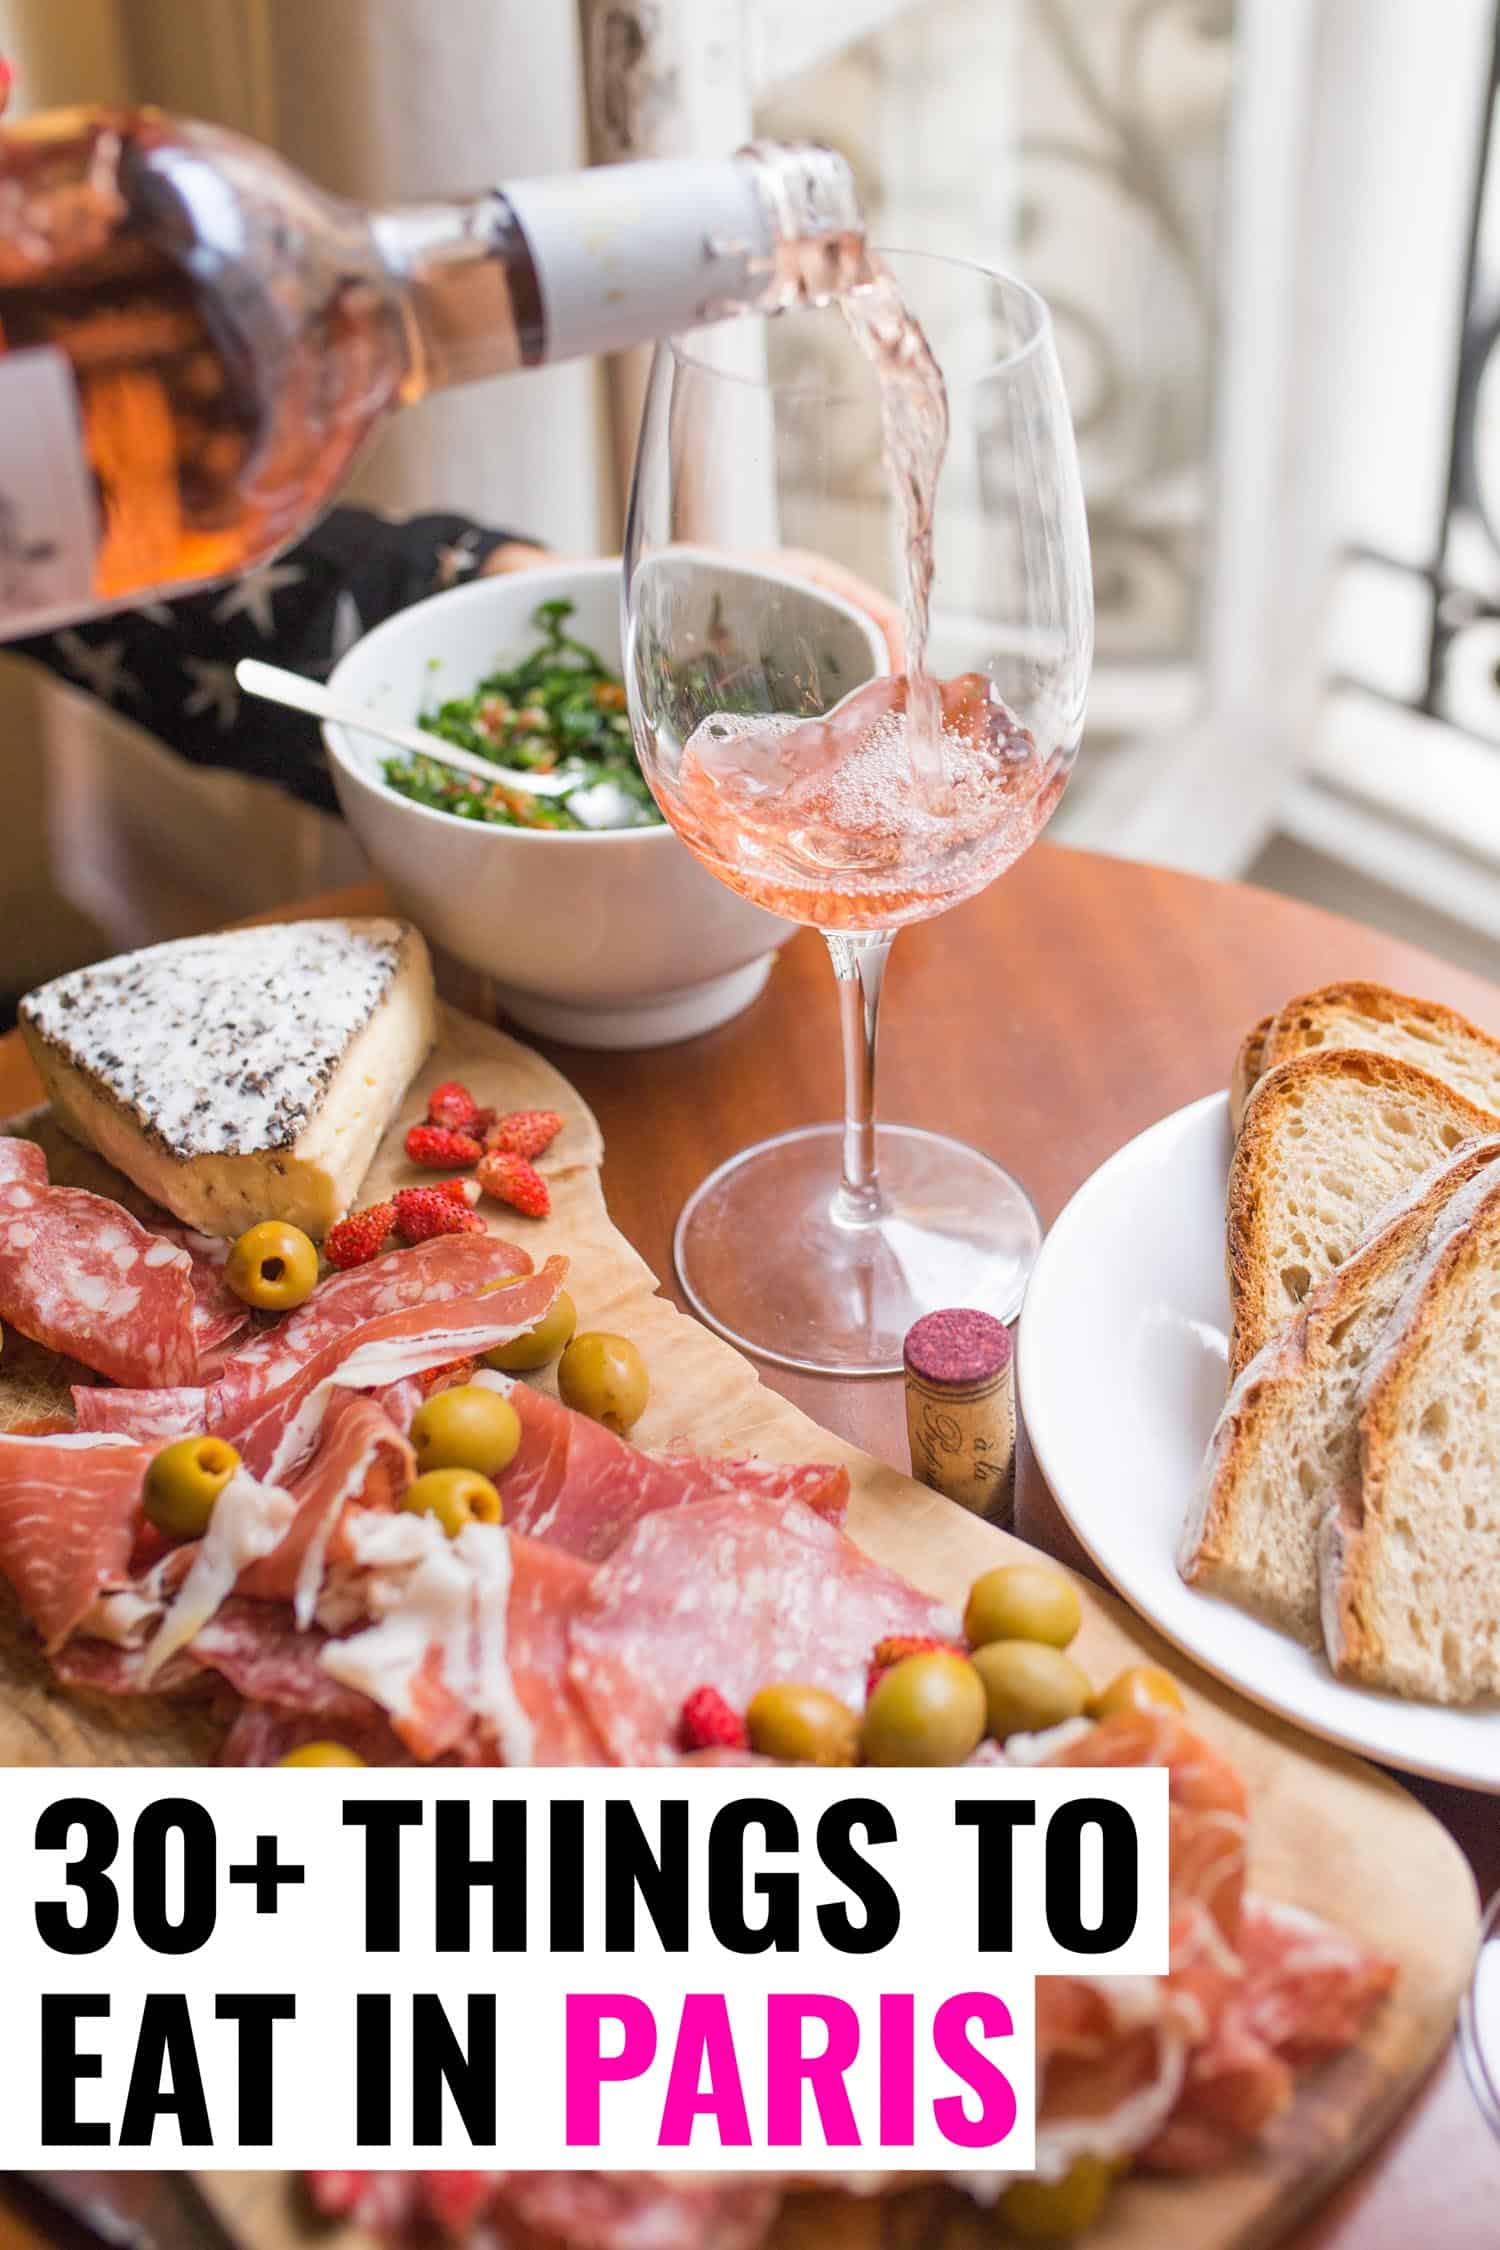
(558, 711)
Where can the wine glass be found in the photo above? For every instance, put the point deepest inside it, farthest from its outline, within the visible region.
(760, 501)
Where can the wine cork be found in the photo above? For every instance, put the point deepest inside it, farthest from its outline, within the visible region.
(961, 1410)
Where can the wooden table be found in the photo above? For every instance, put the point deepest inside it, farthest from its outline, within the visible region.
(1047, 1022)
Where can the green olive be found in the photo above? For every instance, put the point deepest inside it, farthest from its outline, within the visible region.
(805, 1725)
(1023, 1602)
(272, 1266)
(1052, 2210)
(455, 1496)
(1029, 1686)
(1140, 1687)
(604, 1376)
(539, 1346)
(184, 1481)
(928, 1710)
(468, 1427)
(321, 1754)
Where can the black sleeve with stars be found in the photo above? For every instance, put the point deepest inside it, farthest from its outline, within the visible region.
(170, 665)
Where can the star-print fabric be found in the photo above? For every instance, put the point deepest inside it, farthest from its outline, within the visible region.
(170, 665)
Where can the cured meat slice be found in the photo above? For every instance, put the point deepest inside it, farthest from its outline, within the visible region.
(547, 1591)
(292, 1676)
(430, 1273)
(579, 2210)
(436, 1653)
(263, 1737)
(1308, 1986)
(219, 1316)
(80, 1275)
(361, 1458)
(578, 1486)
(733, 1594)
(637, 2210)
(69, 1506)
(150, 1417)
(819, 1485)
(275, 1431)
(257, 1648)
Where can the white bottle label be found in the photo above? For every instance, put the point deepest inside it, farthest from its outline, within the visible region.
(49, 524)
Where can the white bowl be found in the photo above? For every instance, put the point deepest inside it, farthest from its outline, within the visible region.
(604, 938)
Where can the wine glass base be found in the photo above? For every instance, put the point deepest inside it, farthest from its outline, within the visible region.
(767, 1256)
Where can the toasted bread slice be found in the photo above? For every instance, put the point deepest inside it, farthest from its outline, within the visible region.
(1435, 1038)
(1287, 1441)
(1249, 1062)
(1327, 1141)
(1410, 1560)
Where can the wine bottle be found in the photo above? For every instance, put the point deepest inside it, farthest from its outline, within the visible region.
(195, 341)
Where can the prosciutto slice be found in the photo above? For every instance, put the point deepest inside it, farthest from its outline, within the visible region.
(69, 1507)
(579, 1487)
(732, 1594)
(430, 1273)
(335, 1317)
(276, 1431)
(362, 1459)
(81, 1276)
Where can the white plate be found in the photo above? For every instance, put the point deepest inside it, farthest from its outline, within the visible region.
(1121, 1370)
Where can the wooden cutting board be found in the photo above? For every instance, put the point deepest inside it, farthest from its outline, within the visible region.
(1327, 1833)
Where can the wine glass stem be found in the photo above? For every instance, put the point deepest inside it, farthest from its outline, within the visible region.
(859, 959)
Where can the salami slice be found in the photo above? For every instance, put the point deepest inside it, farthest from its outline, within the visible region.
(579, 1487)
(732, 1594)
(80, 1275)
(69, 1507)
(149, 1417)
(219, 1316)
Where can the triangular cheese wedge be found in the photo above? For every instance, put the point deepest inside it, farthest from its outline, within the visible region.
(242, 1076)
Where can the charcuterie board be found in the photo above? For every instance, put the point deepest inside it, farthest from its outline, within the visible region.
(1327, 1833)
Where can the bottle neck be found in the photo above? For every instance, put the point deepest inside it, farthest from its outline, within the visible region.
(578, 263)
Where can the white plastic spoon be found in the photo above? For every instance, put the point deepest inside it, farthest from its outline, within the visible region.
(276, 685)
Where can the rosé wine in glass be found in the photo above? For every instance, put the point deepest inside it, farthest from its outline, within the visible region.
(830, 820)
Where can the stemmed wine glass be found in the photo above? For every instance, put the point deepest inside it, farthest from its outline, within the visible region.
(807, 784)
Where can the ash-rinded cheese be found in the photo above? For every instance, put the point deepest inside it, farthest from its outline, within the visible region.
(248, 1075)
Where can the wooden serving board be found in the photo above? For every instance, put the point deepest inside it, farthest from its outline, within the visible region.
(1327, 1833)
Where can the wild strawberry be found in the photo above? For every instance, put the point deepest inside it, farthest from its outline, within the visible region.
(360, 1237)
(709, 1723)
(510, 1179)
(525, 1132)
(465, 1192)
(452, 1105)
(423, 1212)
(440, 1148)
(897, 1645)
